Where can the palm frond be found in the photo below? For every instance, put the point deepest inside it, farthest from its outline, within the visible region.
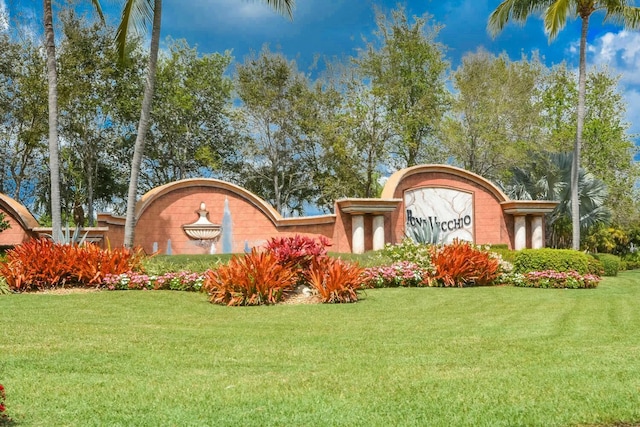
(96, 5)
(631, 18)
(555, 184)
(135, 15)
(515, 10)
(282, 6)
(555, 17)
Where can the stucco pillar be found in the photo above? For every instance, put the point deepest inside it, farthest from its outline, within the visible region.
(357, 230)
(378, 232)
(520, 232)
(537, 232)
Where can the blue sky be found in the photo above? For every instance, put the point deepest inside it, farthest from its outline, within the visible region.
(336, 28)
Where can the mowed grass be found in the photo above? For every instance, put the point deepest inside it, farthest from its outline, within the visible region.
(497, 356)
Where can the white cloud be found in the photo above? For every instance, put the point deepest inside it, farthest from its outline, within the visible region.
(216, 14)
(620, 52)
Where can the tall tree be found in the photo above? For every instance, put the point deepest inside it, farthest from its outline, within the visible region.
(607, 147)
(136, 13)
(555, 13)
(90, 122)
(52, 77)
(494, 123)
(271, 89)
(408, 71)
(190, 127)
(360, 139)
(23, 115)
(23, 146)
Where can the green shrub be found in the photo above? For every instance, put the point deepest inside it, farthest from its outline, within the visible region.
(631, 261)
(595, 266)
(556, 279)
(527, 260)
(610, 264)
(505, 253)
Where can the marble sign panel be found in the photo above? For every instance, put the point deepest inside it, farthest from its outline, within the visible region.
(446, 209)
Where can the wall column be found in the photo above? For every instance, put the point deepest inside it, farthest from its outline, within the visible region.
(357, 230)
(520, 232)
(378, 232)
(537, 232)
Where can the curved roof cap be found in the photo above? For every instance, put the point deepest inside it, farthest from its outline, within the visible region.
(395, 179)
(19, 212)
(157, 192)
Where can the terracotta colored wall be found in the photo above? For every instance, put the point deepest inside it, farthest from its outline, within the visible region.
(13, 235)
(114, 237)
(490, 224)
(342, 232)
(163, 219)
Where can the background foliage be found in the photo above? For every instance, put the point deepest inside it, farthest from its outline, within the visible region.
(301, 139)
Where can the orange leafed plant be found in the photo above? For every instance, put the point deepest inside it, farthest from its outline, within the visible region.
(41, 264)
(38, 264)
(462, 264)
(94, 263)
(334, 280)
(253, 279)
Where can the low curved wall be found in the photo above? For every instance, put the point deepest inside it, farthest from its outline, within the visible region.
(21, 222)
(459, 202)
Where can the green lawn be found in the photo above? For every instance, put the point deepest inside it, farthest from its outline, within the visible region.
(400, 357)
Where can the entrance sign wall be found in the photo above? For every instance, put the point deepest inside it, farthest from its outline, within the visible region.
(181, 217)
(447, 211)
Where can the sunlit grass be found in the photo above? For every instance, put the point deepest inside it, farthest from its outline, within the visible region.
(419, 356)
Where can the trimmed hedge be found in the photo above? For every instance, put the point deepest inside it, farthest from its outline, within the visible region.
(527, 260)
(610, 263)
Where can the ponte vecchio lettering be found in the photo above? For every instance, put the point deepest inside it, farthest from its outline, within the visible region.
(447, 210)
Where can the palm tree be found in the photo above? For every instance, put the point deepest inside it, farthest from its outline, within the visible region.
(554, 184)
(135, 14)
(555, 13)
(52, 77)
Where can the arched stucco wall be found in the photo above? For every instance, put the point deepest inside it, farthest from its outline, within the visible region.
(491, 225)
(161, 213)
(20, 221)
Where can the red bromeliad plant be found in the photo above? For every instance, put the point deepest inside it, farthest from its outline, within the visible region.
(4, 418)
(41, 264)
(298, 251)
(336, 281)
(463, 264)
(37, 264)
(94, 264)
(253, 279)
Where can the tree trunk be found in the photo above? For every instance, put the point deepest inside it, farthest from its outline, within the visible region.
(90, 175)
(143, 125)
(575, 164)
(54, 163)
